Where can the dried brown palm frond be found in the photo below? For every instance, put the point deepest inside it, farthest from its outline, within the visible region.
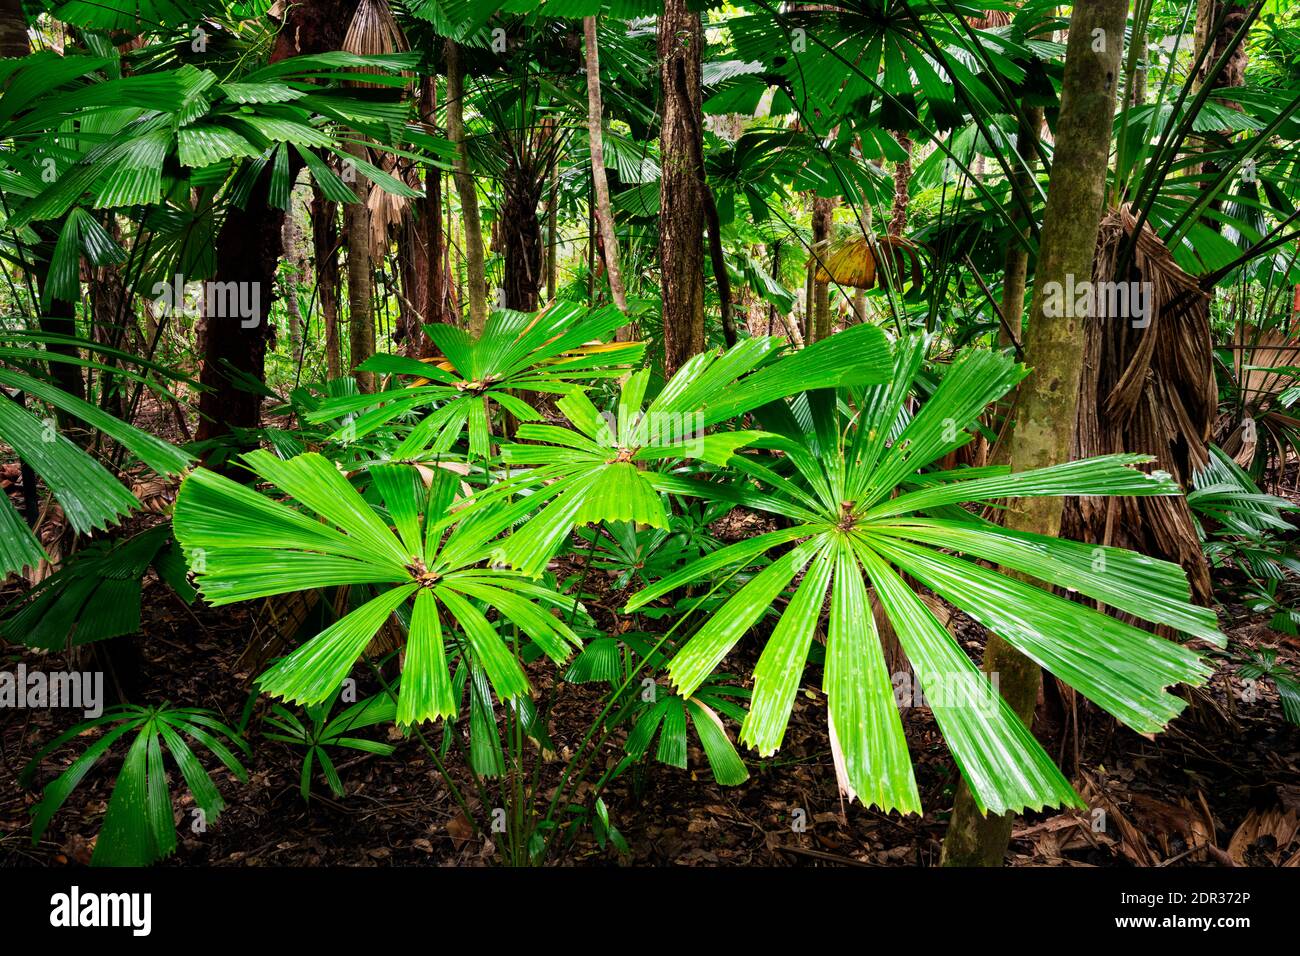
(855, 262)
(991, 18)
(373, 32)
(388, 209)
(1260, 369)
(1149, 390)
(282, 619)
(276, 624)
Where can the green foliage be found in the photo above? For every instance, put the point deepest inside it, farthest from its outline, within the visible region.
(245, 545)
(544, 353)
(139, 827)
(1264, 664)
(595, 470)
(836, 482)
(91, 496)
(1240, 526)
(319, 734)
(96, 594)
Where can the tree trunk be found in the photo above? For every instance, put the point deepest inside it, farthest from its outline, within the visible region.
(361, 277)
(1017, 262)
(521, 234)
(552, 245)
(248, 250)
(823, 223)
(431, 216)
(902, 188)
(473, 230)
(595, 135)
(1231, 16)
(1207, 13)
(413, 267)
(249, 246)
(325, 250)
(681, 194)
(60, 318)
(14, 42)
(1044, 430)
(290, 239)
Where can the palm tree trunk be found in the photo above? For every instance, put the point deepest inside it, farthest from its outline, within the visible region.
(1044, 430)
(361, 300)
(600, 181)
(248, 250)
(431, 217)
(823, 221)
(473, 231)
(291, 239)
(521, 234)
(325, 251)
(681, 199)
(552, 246)
(14, 42)
(1229, 18)
(902, 188)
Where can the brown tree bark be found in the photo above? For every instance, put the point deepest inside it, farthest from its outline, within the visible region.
(248, 250)
(249, 246)
(1232, 16)
(436, 276)
(291, 239)
(521, 236)
(902, 188)
(60, 318)
(14, 41)
(325, 251)
(823, 222)
(681, 193)
(1229, 18)
(361, 276)
(552, 237)
(600, 181)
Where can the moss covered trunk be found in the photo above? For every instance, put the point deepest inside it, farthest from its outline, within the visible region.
(1045, 420)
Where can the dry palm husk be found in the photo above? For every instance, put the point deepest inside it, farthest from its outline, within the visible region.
(1148, 390)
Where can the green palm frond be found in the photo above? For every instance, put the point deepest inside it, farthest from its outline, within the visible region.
(91, 496)
(543, 353)
(138, 827)
(244, 545)
(850, 531)
(97, 592)
(606, 468)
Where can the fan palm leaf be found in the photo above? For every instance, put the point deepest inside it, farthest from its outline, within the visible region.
(863, 516)
(424, 546)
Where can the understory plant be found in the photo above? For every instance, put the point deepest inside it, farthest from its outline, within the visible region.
(318, 733)
(836, 442)
(139, 826)
(862, 514)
